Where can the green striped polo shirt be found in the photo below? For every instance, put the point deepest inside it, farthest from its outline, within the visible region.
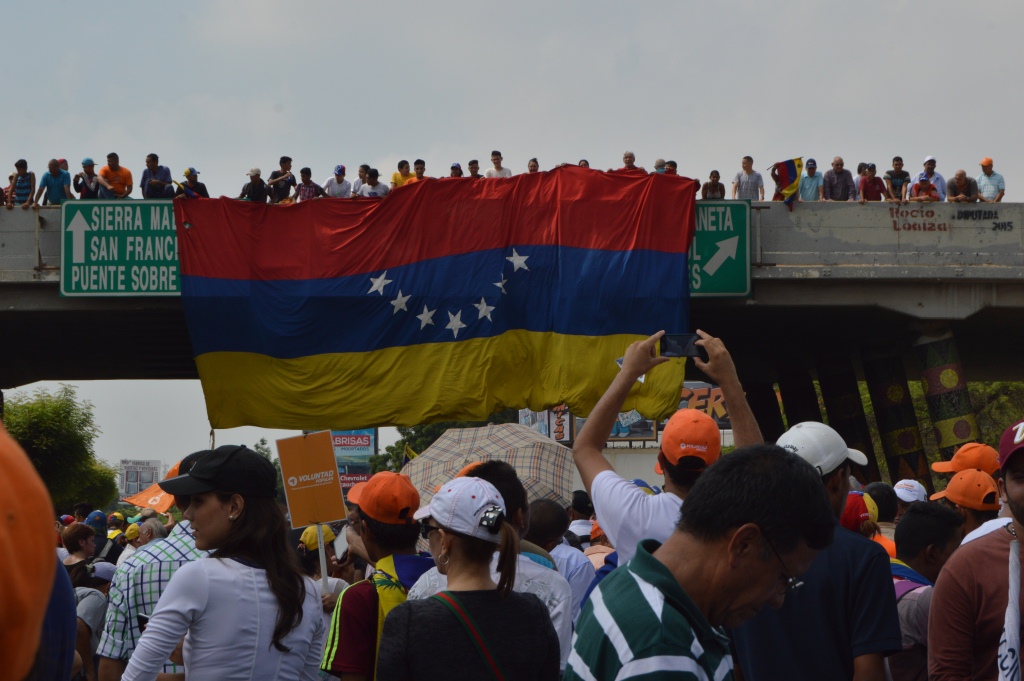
(640, 624)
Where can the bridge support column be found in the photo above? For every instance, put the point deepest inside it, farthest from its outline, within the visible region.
(845, 410)
(945, 390)
(799, 398)
(897, 422)
(764, 403)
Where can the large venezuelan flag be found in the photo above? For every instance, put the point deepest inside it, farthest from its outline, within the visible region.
(448, 299)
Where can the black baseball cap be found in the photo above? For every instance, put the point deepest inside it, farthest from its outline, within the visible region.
(233, 469)
(581, 503)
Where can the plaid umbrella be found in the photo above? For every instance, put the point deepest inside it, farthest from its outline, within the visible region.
(544, 466)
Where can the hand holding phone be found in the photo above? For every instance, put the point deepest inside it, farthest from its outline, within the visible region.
(682, 345)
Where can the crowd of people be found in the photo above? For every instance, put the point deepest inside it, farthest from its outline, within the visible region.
(622, 580)
(114, 181)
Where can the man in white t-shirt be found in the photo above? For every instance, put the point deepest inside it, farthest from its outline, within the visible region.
(336, 186)
(373, 187)
(689, 443)
(497, 170)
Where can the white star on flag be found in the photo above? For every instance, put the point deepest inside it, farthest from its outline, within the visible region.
(379, 283)
(399, 302)
(485, 309)
(501, 284)
(518, 261)
(455, 323)
(426, 318)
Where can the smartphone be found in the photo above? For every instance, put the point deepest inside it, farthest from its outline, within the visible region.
(682, 345)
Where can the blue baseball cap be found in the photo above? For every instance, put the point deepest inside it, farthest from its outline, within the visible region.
(456, 165)
(190, 171)
(339, 170)
(811, 163)
(87, 161)
(96, 519)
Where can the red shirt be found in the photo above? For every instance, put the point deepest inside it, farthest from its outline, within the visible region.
(352, 641)
(872, 190)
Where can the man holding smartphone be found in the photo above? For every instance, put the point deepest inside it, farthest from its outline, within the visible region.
(690, 443)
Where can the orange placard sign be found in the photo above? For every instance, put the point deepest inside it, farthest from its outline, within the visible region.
(311, 483)
(153, 496)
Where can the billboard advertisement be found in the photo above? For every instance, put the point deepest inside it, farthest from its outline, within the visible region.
(352, 451)
(137, 475)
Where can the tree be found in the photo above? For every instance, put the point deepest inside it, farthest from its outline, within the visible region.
(422, 436)
(263, 449)
(59, 433)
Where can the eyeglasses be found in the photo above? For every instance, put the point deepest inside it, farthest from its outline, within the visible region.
(792, 583)
(426, 529)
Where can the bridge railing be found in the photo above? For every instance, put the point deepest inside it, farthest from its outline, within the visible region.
(979, 241)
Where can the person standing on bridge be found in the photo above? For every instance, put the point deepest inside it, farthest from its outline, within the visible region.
(23, 186)
(115, 180)
(838, 183)
(962, 189)
(748, 183)
(54, 185)
(933, 177)
(991, 184)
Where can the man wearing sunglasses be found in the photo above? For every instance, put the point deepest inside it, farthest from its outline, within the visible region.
(843, 621)
(751, 524)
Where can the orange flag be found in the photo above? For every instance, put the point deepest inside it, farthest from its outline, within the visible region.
(153, 497)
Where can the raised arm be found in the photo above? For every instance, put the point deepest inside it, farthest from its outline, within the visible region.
(720, 369)
(587, 452)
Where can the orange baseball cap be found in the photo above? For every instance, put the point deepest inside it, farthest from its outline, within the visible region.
(986, 161)
(971, 455)
(690, 432)
(25, 532)
(387, 497)
(973, 489)
(353, 492)
(595, 530)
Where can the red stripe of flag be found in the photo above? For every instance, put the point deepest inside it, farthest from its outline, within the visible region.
(326, 238)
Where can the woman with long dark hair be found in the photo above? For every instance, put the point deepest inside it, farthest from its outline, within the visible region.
(246, 611)
(475, 629)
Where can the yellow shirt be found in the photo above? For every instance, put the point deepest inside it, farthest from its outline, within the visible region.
(398, 179)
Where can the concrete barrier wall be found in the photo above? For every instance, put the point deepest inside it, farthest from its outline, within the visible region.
(29, 245)
(841, 240)
(968, 241)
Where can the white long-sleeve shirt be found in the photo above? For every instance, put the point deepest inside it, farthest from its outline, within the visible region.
(229, 614)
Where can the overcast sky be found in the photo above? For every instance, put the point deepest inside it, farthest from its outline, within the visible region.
(227, 86)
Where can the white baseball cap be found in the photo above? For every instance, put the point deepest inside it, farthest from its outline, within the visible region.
(910, 490)
(820, 446)
(467, 506)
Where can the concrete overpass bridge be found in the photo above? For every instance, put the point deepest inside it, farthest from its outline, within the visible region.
(840, 293)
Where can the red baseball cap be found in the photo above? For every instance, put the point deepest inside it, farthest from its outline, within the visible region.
(971, 455)
(690, 432)
(971, 489)
(387, 497)
(1011, 442)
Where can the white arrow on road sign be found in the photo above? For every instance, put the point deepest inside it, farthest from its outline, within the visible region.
(78, 228)
(726, 249)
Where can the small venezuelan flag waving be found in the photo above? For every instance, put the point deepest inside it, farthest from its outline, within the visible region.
(449, 299)
(788, 179)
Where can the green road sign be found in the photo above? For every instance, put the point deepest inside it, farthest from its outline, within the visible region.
(118, 248)
(719, 257)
